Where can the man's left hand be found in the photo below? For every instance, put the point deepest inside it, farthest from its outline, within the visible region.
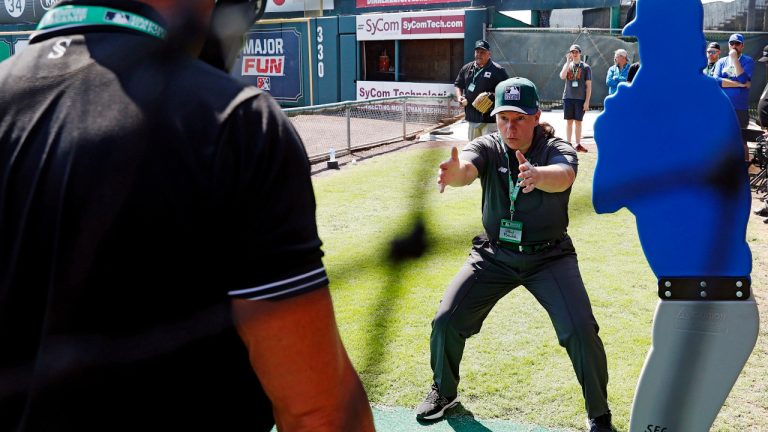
(586, 107)
(528, 173)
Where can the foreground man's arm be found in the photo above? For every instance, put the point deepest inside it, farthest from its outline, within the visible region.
(296, 351)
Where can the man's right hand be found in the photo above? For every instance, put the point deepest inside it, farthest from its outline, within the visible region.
(450, 170)
(462, 101)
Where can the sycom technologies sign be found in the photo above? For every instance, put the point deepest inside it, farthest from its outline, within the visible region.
(413, 25)
(271, 61)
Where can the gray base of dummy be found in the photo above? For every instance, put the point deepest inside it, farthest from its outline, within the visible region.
(698, 350)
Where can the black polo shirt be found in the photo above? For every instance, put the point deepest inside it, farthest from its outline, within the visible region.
(762, 108)
(544, 215)
(485, 80)
(140, 191)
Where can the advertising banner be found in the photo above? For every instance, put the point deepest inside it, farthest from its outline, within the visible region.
(447, 24)
(278, 6)
(382, 3)
(271, 60)
(434, 108)
(383, 89)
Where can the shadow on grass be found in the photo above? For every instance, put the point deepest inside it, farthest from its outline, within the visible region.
(462, 420)
(410, 246)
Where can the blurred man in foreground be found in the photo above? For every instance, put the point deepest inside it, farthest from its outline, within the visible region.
(150, 244)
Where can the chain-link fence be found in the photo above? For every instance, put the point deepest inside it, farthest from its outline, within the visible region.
(349, 126)
(539, 54)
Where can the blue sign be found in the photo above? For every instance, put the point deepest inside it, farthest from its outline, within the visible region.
(271, 60)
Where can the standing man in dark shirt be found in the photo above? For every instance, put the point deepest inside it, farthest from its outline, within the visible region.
(477, 77)
(153, 253)
(526, 176)
(762, 105)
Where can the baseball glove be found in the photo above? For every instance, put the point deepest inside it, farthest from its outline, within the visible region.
(483, 102)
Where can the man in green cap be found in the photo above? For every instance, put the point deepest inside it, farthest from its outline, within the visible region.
(526, 175)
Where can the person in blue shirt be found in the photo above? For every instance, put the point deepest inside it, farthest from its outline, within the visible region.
(734, 73)
(618, 72)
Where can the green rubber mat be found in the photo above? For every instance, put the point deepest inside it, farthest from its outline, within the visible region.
(395, 419)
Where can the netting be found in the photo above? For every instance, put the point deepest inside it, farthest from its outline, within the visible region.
(539, 54)
(348, 126)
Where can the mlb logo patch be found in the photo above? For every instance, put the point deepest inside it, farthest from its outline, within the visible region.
(263, 83)
(512, 93)
(487, 75)
(117, 17)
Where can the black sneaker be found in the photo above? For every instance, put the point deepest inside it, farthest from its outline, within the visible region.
(434, 405)
(601, 423)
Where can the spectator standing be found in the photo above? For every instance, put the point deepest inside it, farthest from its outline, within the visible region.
(617, 73)
(633, 71)
(713, 55)
(158, 271)
(578, 89)
(476, 77)
(762, 113)
(734, 73)
(762, 106)
(526, 175)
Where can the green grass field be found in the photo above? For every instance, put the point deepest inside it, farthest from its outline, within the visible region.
(514, 369)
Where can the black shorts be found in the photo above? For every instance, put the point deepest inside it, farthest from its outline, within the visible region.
(573, 109)
(762, 113)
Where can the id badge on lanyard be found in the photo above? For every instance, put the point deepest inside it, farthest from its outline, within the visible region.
(471, 86)
(511, 231)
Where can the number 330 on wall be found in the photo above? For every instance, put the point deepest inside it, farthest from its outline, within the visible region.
(320, 55)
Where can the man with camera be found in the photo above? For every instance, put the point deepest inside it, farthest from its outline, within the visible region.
(578, 89)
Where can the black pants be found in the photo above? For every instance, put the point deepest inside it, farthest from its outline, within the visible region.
(743, 116)
(553, 278)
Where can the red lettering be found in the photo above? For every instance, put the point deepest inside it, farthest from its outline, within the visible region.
(263, 65)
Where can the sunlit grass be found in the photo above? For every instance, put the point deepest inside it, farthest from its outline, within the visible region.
(514, 369)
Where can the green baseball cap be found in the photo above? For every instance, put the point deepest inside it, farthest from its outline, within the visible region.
(516, 94)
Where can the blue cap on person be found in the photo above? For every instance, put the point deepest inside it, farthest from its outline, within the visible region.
(736, 37)
(481, 44)
(516, 94)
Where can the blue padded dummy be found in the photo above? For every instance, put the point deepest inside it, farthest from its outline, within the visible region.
(670, 151)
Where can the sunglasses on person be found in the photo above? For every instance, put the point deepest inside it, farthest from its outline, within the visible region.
(734, 43)
(711, 52)
(575, 52)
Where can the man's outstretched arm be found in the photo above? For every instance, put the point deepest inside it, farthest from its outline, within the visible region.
(297, 353)
(456, 172)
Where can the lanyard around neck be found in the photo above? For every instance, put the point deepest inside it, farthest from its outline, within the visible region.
(478, 72)
(80, 16)
(514, 187)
